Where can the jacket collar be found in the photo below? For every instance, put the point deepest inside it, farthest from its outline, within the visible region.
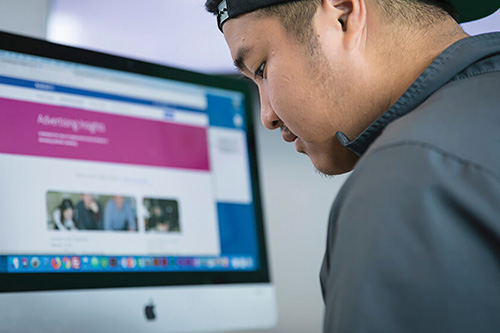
(449, 64)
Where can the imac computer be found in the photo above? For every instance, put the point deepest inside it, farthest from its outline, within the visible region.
(129, 196)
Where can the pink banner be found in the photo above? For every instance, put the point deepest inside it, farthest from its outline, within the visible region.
(54, 131)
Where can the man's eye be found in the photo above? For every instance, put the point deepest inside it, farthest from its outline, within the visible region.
(260, 71)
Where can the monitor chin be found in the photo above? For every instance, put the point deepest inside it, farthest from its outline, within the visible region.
(167, 309)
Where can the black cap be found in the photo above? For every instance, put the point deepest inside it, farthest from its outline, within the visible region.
(468, 10)
(231, 8)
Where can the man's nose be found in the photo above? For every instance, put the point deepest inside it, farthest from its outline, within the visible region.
(268, 117)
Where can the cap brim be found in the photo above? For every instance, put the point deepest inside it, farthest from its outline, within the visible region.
(471, 10)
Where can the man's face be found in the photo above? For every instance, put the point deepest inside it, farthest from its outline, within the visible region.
(87, 199)
(118, 201)
(302, 91)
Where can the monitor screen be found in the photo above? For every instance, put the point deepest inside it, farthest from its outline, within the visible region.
(119, 176)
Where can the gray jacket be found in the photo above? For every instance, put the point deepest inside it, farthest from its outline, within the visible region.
(414, 234)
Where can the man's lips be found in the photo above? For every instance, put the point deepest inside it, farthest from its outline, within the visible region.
(287, 135)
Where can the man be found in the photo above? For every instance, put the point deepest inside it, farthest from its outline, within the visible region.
(395, 90)
(119, 215)
(88, 213)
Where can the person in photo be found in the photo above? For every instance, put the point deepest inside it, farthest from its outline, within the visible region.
(89, 213)
(119, 215)
(64, 216)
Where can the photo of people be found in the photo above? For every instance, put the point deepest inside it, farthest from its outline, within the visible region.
(88, 211)
(161, 215)
(119, 214)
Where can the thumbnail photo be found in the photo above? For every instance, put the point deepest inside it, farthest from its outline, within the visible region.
(90, 211)
(161, 215)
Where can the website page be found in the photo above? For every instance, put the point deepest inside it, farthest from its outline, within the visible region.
(101, 163)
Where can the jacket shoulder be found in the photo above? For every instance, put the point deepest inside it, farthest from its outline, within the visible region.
(461, 119)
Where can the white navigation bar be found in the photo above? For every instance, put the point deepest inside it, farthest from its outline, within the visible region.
(102, 82)
(104, 105)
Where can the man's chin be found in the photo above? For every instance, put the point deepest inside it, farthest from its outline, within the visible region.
(334, 167)
(330, 173)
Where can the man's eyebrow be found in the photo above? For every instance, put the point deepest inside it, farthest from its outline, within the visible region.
(239, 61)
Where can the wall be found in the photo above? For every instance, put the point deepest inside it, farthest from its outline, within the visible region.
(26, 17)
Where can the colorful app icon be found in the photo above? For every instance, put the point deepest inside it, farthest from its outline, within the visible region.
(85, 262)
(24, 262)
(225, 262)
(104, 262)
(94, 262)
(148, 262)
(131, 262)
(141, 262)
(15, 262)
(235, 262)
(210, 262)
(164, 262)
(55, 263)
(123, 262)
(196, 262)
(35, 262)
(113, 262)
(250, 262)
(156, 262)
(76, 263)
(66, 262)
(243, 263)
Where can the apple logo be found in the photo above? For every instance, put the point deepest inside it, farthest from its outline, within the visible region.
(149, 311)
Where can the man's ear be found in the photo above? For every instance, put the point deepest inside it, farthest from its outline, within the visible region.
(351, 18)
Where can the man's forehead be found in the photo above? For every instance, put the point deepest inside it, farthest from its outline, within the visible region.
(250, 27)
(249, 31)
(242, 31)
(240, 36)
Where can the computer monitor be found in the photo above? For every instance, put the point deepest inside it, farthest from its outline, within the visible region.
(129, 196)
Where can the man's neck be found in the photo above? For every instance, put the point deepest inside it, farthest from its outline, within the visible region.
(409, 53)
